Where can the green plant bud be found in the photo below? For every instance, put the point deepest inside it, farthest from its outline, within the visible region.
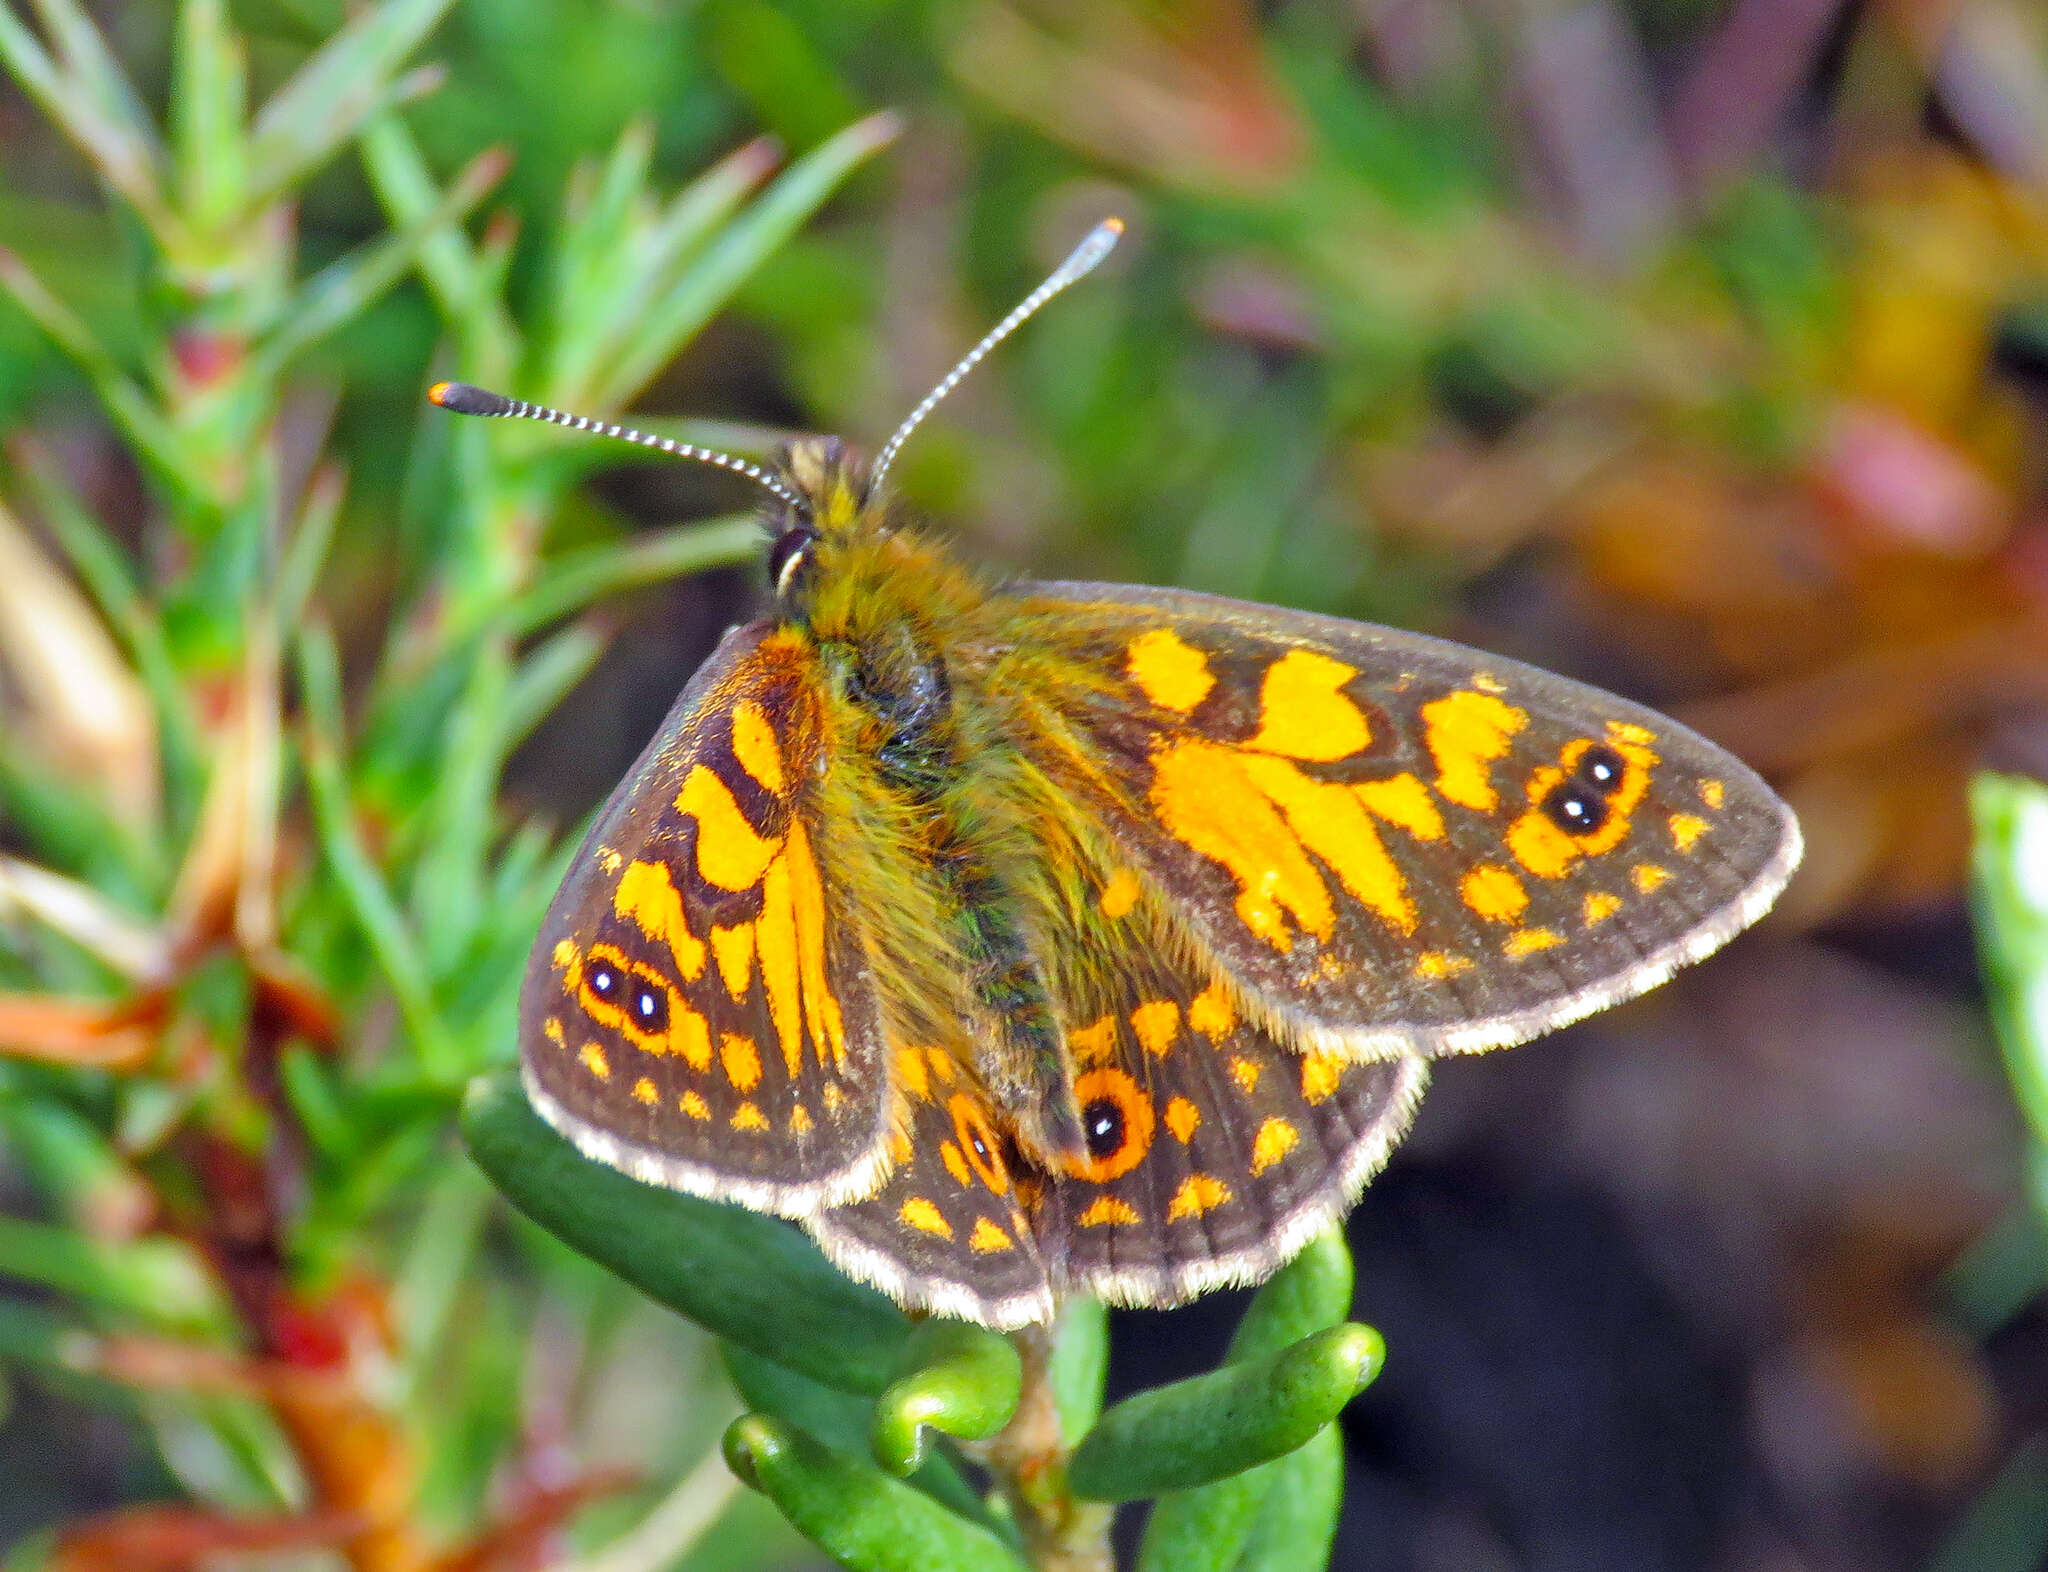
(853, 1512)
(746, 1277)
(958, 1378)
(1212, 1426)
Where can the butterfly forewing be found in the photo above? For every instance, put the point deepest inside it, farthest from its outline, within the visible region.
(693, 1013)
(1396, 844)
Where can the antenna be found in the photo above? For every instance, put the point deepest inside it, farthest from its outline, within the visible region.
(1081, 261)
(466, 400)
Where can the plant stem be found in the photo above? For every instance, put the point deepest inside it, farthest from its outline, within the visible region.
(1029, 1463)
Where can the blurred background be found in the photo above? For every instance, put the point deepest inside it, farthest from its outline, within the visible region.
(1698, 348)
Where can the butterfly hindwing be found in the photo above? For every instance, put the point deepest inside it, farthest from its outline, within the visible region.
(1213, 1152)
(694, 1014)
(952, 1229)
(1396, 844)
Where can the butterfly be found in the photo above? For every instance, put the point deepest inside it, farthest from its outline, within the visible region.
(1022, 939)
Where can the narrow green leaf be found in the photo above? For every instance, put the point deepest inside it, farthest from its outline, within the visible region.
(343, 84)
(855, 1513)
(1080, 1365)
(454, 272)
(96, 73)
(1209, 1527)
(544, 677)
(753, 1280)
(2010, 891)
(958, 1378)
(131, 163)
(140, 420)
(1212, 1426)
(208, 102)
(574, 580)
(343, 290)
(158, 1280)
(603, 306)
(741, 247)
(397, 950)
(1305, 1489)
(448, 879)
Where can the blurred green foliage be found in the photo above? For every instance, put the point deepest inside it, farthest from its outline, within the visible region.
(281, 650)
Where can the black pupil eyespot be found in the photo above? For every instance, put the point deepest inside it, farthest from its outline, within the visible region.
(1103, 1125)
(652, 1009)
(1601, 768)
(1574, 809)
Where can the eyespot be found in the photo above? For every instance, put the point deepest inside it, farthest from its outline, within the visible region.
(1116, 1125)
(1575, 809)
(1602, 769)
(603, 980)
(649, 1008)
(979, 1142)
(1103, 1123)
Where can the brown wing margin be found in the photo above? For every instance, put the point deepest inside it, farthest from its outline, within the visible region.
(695, 1012)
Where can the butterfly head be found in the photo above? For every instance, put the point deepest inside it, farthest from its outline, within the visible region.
(832, 504)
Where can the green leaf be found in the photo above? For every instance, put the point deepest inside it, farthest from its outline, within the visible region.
(854, 1512)
(455, 273)
(119, 142)
(839, 1420)
(959, 1378)
(208, 103)
(1307, 1294)
(738, 249)
(573, 580)
(1080, 1365)
(751, 1279)
(158, 1280)
(396, 948)
(1211, 1426)
(2010, 867)
(345, 82)
(1209, 1527)
(1303, 1493)
(344, 290)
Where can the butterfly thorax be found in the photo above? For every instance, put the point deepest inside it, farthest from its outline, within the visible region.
(891, 614)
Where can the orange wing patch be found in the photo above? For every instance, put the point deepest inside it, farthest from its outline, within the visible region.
(1304, 715)
(1172, 673)
(1466, 731)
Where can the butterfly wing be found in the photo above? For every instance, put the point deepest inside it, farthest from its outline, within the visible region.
(952, 1229)
(1213, 1153)
(1395, 844)
(694, 1013)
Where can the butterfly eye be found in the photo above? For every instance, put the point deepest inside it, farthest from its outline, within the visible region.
(788, 557)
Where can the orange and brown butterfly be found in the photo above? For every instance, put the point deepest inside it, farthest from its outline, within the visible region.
(1023, 939)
